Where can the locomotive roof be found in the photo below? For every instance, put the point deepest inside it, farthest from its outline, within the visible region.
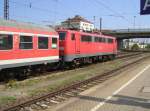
(87, 33)
(24, 25)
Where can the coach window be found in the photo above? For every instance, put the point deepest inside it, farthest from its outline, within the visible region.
(6, 42)
(72, 36)
(54, 43)
(43, 42)
(26, 42)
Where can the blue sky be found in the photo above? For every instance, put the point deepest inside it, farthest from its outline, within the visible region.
(116, 14)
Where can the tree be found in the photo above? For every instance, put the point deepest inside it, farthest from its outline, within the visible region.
(135, 47)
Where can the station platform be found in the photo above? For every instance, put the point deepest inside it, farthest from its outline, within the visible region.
(128, 91)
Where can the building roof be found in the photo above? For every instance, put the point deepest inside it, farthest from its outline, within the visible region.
(77, 18)
(24, 25)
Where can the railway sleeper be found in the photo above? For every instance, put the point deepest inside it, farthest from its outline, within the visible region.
(54, 101)
(69, 94)
(61, 97)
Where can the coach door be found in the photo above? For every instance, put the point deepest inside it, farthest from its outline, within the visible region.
(77, 43)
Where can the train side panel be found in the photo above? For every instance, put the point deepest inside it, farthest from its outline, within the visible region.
(76, 46)
(21, 47)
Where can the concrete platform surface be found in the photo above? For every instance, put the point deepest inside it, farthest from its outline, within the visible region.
(129, 91)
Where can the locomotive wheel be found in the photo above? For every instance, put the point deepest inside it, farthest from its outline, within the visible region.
(90, 60)
(75, 64)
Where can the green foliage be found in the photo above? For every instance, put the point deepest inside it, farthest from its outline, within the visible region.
(57, 85)
(135, 47)
(7, 99)
(147, 46)
(12, 84)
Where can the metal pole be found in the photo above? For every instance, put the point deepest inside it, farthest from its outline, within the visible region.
(94, 20)
(6, 9)
(100, 24)
(134, 22)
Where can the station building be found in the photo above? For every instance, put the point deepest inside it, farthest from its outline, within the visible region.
(79, 23)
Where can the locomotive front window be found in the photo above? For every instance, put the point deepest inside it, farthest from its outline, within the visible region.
(26, 42)
(62, 35)
(54, 43)
(6, 42)
(43, 42)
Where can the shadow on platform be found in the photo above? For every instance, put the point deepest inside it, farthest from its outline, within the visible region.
(121, 100)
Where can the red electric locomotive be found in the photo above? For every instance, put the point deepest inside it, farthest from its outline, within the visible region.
(83, 47)
(26, 44)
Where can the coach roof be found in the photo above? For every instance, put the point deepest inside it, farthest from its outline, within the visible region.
(24, 25)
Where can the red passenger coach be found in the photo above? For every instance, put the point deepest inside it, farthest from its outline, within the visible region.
(85, 47)
(24, 44)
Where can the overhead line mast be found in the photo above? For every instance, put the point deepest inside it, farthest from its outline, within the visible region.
(6, 9)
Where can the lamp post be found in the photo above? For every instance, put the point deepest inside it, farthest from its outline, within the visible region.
(94, 18)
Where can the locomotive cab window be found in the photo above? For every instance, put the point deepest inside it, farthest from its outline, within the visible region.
(43, 42)
(26, 42)
(6, 42)
(54, 43)
(62, 35)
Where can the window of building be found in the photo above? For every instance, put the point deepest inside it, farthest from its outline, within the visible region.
(43, 42)
(72, 36)
(62, 35)
(26, 42)
(54, 43)
(6, 42)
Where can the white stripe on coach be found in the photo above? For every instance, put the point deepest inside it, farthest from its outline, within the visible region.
(26, 60)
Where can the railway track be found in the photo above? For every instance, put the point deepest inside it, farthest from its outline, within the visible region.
(47, 72)
(123, 55)
(60, 95)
